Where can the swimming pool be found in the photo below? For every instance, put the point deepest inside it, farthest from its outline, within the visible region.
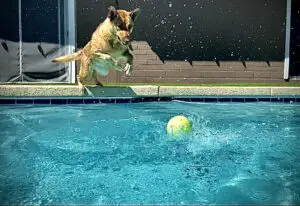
(244, 153)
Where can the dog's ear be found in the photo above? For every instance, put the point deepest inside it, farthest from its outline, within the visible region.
(112, 13)
(135, 14)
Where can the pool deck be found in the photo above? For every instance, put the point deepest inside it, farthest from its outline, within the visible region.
(144, 91)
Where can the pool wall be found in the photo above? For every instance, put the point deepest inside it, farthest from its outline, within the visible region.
(150, 68)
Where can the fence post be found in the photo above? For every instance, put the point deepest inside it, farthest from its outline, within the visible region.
(287, 39)
(20, 41)
(71, 34)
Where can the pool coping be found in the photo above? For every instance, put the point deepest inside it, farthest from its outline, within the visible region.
(143, 91)
(69, 94)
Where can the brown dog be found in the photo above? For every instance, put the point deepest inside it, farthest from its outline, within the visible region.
(109, 43)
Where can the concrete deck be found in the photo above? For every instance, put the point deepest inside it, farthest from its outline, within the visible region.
(140, 91)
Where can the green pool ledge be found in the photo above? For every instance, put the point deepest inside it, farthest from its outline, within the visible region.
(122, 90)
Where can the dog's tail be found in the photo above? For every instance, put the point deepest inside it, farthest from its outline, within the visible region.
(68, 58)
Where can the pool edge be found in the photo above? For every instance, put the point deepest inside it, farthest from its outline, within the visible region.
(143, 91)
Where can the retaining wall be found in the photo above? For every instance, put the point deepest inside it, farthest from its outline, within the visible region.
(148, 68)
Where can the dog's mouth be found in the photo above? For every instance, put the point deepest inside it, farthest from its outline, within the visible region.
(123, 42)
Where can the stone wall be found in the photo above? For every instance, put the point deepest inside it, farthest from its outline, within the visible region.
(148, 68)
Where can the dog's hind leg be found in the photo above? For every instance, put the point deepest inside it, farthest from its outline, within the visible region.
(85, 73)
(96, 79)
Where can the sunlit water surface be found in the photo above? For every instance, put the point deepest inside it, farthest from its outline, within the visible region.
(246, 153)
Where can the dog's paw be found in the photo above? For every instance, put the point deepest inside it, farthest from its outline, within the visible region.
(81, 88)
(128, 69)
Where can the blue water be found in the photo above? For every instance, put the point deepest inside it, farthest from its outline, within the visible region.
(242, 153)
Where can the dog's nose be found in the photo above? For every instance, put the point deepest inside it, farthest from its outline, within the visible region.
(127, 41)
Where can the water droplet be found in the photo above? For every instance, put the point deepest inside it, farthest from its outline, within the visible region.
(163, 22)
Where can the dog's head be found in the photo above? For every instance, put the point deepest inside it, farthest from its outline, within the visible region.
(123, 37)
(123, 19)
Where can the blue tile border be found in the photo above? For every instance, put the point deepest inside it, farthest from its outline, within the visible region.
(75, 101)
(126, 100)
(107, 101)
(24, 101)
(289, 100)
(226, 99)
(42, 101)
(211, 99)
(7, 101)
(91, 101)
(59, 101)
(277, 99)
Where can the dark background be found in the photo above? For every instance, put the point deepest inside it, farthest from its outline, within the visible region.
(9, 39)
(199, 29)
(176, 30)
(295, 39)
(9, 20)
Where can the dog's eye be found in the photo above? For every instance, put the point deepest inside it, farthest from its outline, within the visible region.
(122, 27)
(119, 23)
(129, 27)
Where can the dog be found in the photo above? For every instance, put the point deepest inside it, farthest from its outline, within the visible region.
(102, 63)
(110, 43)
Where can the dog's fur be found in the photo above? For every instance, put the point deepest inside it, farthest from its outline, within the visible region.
(110, 42)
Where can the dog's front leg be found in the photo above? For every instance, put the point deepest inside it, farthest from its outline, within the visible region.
(101, 55)
(129, 55)
(80, 85)
(128, 69)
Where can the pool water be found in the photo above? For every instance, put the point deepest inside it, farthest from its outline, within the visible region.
(239, 153)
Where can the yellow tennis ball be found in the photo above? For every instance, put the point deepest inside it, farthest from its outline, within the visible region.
(179, 126)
